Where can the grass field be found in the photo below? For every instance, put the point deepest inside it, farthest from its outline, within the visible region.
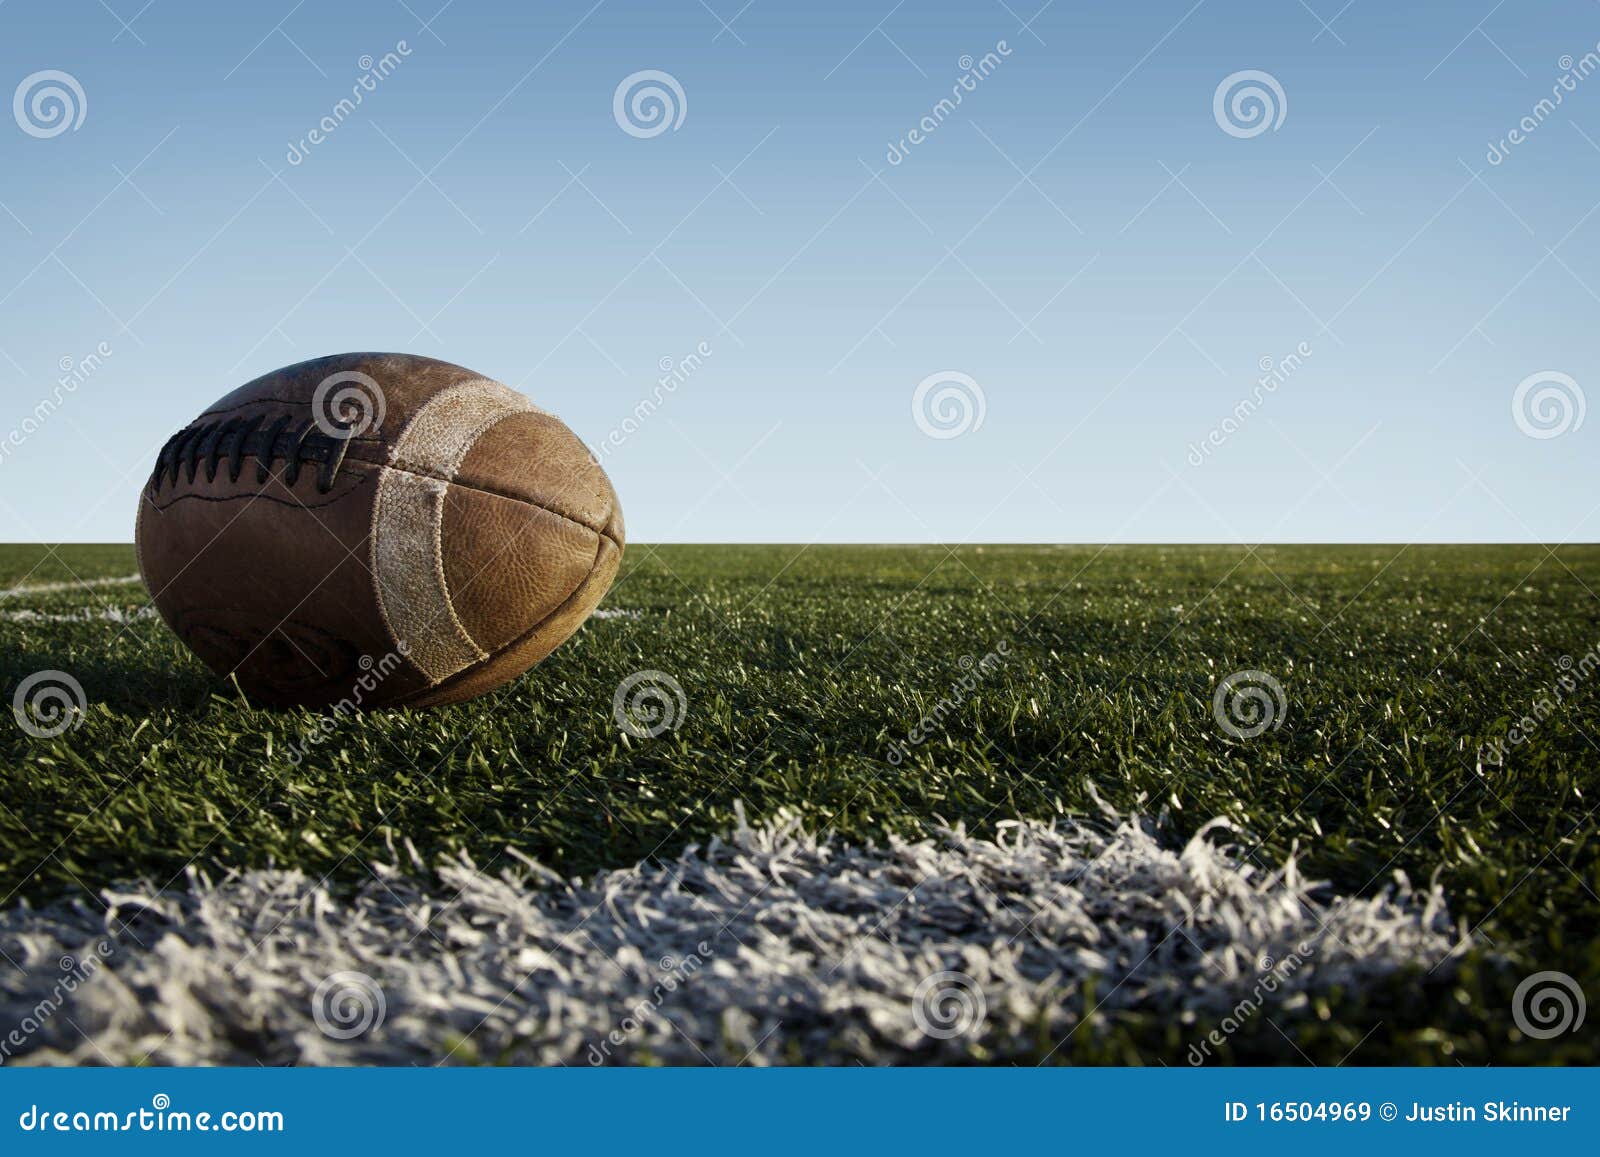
(806, 673)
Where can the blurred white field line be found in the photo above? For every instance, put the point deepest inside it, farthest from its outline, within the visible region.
(592, 959)
(29, 589)
(82, 615)
(105, 610)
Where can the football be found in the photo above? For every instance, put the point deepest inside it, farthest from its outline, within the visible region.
(375, 530)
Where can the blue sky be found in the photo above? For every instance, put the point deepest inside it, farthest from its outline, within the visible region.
(1104, 263)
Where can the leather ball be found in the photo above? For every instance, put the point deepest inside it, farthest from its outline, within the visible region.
(375, 530)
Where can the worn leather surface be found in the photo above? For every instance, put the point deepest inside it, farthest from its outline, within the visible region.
(538, 642)
(273, 583)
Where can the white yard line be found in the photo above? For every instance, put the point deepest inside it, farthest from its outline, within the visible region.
(82, 615)
(765, 945)
(76, 585)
